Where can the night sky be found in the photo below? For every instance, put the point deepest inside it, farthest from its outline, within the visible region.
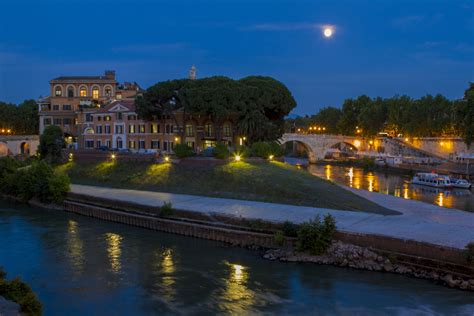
(379, 48)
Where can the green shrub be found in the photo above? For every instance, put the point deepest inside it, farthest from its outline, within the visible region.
(221, 151)
(266, 149)
(315, 236)
(166, 209)
(37, 180)
(21, 293)
(290, 229)
(279, 238)
(469, 252)
(183, 150)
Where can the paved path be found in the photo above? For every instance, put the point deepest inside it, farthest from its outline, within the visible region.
(419, 221)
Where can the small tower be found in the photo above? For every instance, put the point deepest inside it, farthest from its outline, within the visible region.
(192, 73)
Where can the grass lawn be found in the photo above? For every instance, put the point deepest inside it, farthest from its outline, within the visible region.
(259, 181)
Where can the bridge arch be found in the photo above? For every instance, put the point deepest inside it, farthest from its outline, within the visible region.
(309, 150)
(342, 148)
(3, 149)
(319, 145)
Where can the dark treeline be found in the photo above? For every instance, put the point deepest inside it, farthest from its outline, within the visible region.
(429, 116)
(20, 119)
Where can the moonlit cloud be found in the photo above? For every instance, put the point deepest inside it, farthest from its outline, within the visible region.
(283, 27)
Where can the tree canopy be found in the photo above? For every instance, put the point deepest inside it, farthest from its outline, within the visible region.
(21, 119)
(260, 102)
(428, 116)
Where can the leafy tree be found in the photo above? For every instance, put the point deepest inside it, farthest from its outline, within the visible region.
(261, 102)
(465, 115)
(350, 113)
(372, 117)
(328, 117)
(51, 144)
(22, 119)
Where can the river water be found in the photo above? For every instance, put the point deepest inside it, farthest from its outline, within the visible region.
(391, 183)
(83, 266)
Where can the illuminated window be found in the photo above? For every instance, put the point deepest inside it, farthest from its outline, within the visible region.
(227, 130)
(95, 93)
(58, 92)
(155, 128)
(189, 130)
(119, 96)
(209, 130)
(83, 92)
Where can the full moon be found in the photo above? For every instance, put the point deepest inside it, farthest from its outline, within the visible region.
(327, 32)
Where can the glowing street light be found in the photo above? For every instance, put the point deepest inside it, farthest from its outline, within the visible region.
(270, 157)
(113, 156)
(237, 158)
(167, 159)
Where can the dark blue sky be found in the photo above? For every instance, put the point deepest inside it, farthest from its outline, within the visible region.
(380, 48)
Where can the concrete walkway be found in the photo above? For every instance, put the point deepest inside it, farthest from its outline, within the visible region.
(419, 221)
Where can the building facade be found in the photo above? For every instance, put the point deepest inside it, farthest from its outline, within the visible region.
(98, 113)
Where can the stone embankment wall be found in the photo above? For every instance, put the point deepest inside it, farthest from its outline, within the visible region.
(444, 260)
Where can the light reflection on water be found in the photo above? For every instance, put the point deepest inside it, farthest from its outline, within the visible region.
(394, 184)
(168, 274)
(114, 251)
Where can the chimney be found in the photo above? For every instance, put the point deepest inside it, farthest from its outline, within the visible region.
(110, 74)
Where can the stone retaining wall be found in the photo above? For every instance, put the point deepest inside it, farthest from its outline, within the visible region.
(409, 252)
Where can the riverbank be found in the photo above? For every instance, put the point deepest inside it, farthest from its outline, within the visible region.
(262, 181)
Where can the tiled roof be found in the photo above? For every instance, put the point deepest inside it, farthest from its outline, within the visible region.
(129, 104)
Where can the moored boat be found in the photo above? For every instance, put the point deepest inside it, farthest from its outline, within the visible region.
(460, 183)
(432, 180)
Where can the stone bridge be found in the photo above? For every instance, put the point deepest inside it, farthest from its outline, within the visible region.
(18, 145)
(317, 146)
(440, 148)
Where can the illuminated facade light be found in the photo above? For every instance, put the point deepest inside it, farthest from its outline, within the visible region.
(357, 143)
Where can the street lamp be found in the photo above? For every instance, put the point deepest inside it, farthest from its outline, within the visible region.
(237, 157)
(270, 157)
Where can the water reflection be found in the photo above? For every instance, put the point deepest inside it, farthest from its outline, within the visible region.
(440, 199)
(167, 275)
(237, 298)
(75, 247)
(394, 184)
(114, 251)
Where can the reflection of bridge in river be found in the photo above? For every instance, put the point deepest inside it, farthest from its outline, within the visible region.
(317, 146)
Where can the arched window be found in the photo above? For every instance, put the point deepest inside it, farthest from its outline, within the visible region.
(70, 92)
(58, 91)
(108, 91)
(227, 129)
(209, 129)
(89, 130)
(95, 92)
(189, 129)
(83, 91)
